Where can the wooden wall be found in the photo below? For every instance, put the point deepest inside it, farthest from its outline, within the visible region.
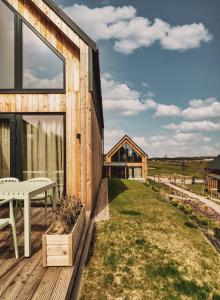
(81, 177)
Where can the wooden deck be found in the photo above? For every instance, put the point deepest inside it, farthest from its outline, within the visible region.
(26, 278)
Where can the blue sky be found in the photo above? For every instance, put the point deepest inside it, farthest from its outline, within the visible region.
(160, 69)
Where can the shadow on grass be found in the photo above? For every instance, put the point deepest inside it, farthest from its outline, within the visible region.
(116, 187)
(182, 286)
(132, 213)
(92, 245)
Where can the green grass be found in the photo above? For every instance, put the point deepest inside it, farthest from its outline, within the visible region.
(166, 168)
(198, 189)
(149, 250)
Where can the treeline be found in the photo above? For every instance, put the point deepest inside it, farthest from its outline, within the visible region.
(182, 158)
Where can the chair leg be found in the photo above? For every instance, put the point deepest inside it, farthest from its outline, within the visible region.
(12, 221)
(16, 209)
(46, 208)
(51, 201)
(21, 209)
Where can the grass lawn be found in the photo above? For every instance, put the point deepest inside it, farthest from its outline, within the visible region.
(146, 251)
(198, 189)
(190, 168)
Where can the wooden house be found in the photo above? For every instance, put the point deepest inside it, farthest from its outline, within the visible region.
(51, 119)
(212, 175)
(126, 160)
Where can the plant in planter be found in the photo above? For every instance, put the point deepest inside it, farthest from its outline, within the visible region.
(60, 242)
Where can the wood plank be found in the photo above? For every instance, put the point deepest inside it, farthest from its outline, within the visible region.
(47, 284)
(58, 260)
(57, 249)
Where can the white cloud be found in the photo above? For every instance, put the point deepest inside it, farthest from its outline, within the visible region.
(40, 83)
(121, 99)
(163, 110)
(194, 126)
(141, 142)
(179, 144)
(112, 136)
(185, 37)
(131, 32)
(202, 109)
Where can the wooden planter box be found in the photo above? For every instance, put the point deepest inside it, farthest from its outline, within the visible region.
(60, 250)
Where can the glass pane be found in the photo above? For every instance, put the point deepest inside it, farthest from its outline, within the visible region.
(6, 47)
(43, 148)
(4, 149)
(137, 172)
(115, 157)
(137, 157)
(42, 68)
(130, 172)
(129, 154)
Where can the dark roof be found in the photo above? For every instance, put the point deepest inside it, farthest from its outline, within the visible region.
(215, 164)
(94, 68)
(128, 138)
(71, 24)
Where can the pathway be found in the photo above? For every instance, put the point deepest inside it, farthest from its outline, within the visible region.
(206, 201)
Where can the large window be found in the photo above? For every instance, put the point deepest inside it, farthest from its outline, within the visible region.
(32, 145)
(126, 154)
(43, 148)
(42, 68)
(6, 47)
(27, 61)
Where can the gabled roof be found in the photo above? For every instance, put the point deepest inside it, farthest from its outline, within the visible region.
(215, 164)
(122, 141)
(71, 24)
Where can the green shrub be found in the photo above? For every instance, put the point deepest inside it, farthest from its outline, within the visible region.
(217, 233)
(201, 220)
(216, 297)
(191, 224)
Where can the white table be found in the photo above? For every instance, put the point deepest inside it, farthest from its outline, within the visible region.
(25, 190)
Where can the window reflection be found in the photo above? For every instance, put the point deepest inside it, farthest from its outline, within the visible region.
(42, 68)
(6, 47)
(126, 154)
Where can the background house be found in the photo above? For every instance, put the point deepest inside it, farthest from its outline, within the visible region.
(126, 160)
(212, 176)
(51, 120)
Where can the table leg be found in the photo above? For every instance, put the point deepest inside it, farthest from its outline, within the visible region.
(54, 199)
(27, 228)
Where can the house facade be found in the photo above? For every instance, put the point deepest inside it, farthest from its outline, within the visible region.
(51, 119)
(126, 160)
(212, 175)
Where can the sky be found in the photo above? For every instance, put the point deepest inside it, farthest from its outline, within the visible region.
(160, 70)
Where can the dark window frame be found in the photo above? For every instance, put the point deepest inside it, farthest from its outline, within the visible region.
(18, 59)
(16, 138)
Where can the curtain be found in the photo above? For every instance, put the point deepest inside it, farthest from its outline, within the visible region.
(4, 149)
(43, 149)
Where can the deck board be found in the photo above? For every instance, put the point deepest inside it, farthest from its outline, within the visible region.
(26, 278)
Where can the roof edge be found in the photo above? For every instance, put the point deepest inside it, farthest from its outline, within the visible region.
(126, 137)
(52, 5)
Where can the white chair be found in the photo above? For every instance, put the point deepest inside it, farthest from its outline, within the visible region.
(18, 202)
(42, 196)
(10, 221)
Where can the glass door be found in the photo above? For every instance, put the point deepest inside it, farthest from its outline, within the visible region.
(32, 146)
(7, 145)
(43, 148)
